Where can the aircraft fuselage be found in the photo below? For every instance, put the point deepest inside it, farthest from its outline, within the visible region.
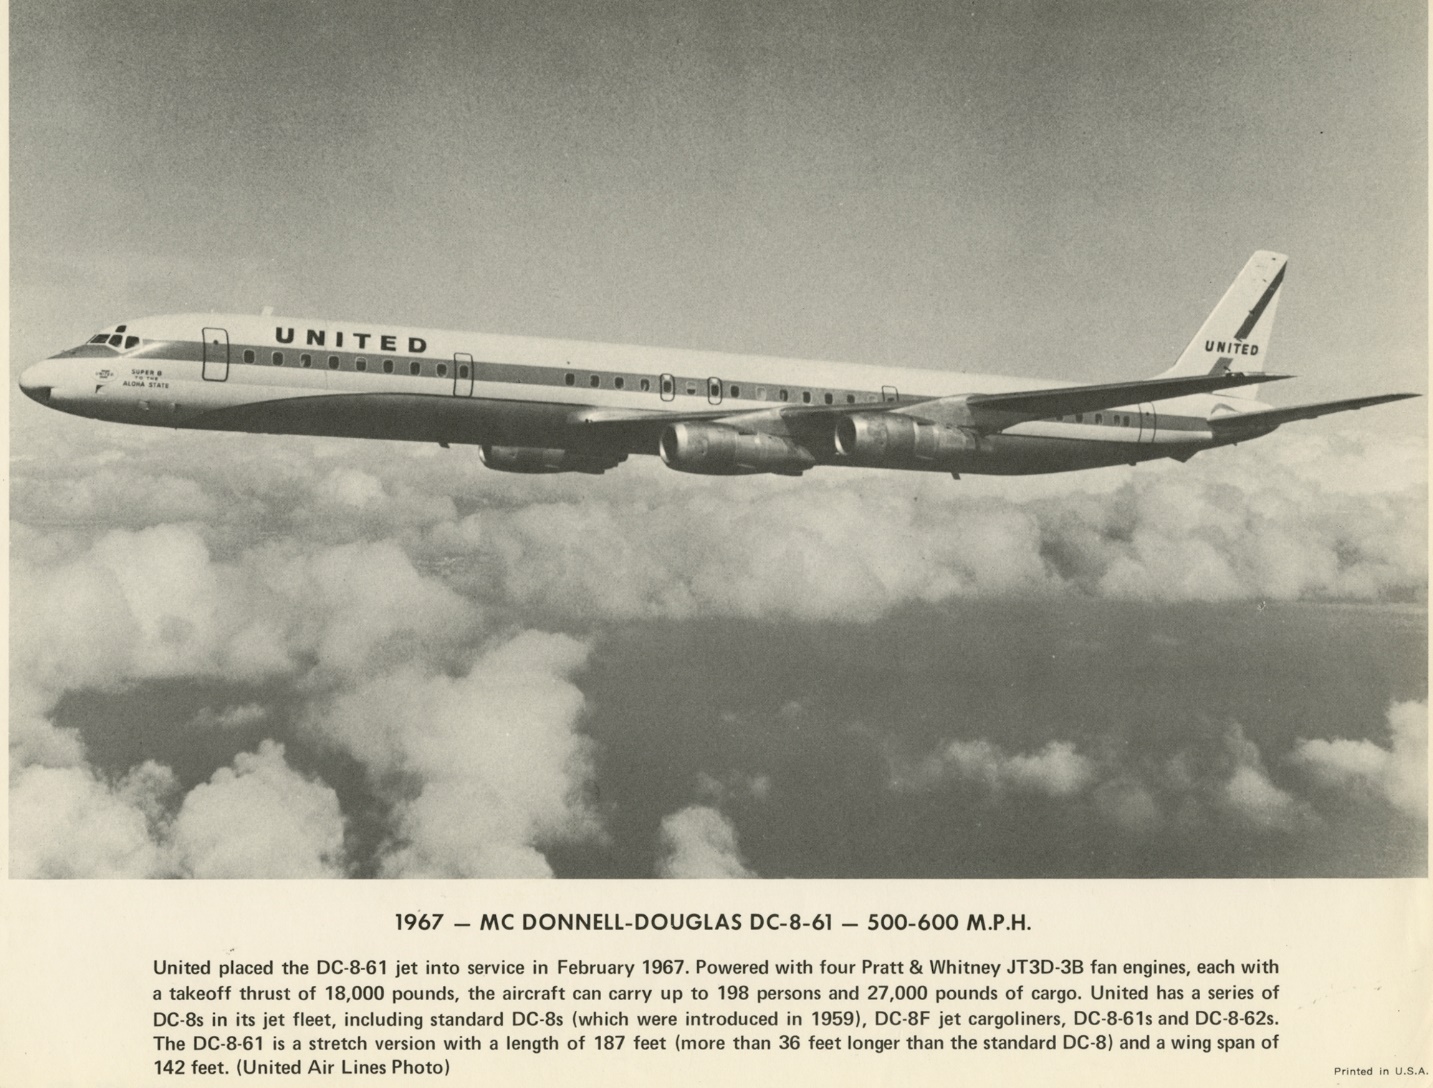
(597, 401)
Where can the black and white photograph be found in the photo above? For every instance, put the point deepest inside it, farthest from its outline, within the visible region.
(420, 468)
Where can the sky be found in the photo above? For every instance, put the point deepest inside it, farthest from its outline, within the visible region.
(240, 655)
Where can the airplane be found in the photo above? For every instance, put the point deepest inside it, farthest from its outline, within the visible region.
(549, 406)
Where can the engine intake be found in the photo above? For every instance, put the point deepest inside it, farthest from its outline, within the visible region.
(884, 440)
(535, 461)
(714, 450)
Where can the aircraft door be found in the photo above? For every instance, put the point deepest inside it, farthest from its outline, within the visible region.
(713, 390)
(668, 386)
(1146, 424)
(216, 355)
(463, 374)
(890, 394)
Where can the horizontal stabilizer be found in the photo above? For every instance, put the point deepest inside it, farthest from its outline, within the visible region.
(1269, 418)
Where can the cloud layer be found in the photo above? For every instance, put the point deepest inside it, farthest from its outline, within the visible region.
(1216, 777)
(408, 602)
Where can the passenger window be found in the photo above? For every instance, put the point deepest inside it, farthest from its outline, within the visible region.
(646, 386)
(305, 360)
(278, 358)
(784, 394)
(571, 379)
(1099, 418)
(360, 363)
(414, 367)
(1079, 417)
(333, 362)
(806, 396)
(594, 381)
(442, 370)
(619, 383)
(736, 390)
(130, 341)
(388, 366)
(850, 398)
(248, 355)
(828, 398)
(691, 389)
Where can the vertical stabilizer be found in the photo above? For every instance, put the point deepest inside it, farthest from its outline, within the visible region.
(1236, 335)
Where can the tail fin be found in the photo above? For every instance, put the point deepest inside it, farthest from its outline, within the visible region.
(1236, 335)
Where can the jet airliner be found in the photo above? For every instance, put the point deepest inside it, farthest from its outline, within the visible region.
(546, 406)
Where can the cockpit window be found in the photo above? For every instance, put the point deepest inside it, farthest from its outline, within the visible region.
(99, 338)
(116, 340)
(130, 341)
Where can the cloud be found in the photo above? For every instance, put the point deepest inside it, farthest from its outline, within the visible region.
(853, 545)
(64, 822)
(259, 819)
(699, 841)
(230, 717)
(483, 768)
(1311, 514)
(1398, 773)
(1219, 777)
(733, 786)
(1216, 777)
(1057, 770)
(156, 603)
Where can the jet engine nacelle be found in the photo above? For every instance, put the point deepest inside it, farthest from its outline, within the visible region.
(535, 461)
(714, 450)
(885, 440)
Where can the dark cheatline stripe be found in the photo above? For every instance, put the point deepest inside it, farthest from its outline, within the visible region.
(1260, 306)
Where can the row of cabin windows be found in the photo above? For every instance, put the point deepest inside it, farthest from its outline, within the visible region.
(306, 361)
(594, 380)
(714, 389)
(1099, 417)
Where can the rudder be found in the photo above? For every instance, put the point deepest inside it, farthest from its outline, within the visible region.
(1236, 335)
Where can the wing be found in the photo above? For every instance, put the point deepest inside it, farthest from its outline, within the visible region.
(1264, 421)
(981, 411)
(991, 412)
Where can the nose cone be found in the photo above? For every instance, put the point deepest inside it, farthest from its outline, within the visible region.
(38, 380)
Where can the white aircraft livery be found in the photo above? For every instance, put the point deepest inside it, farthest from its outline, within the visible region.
(542, 406)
